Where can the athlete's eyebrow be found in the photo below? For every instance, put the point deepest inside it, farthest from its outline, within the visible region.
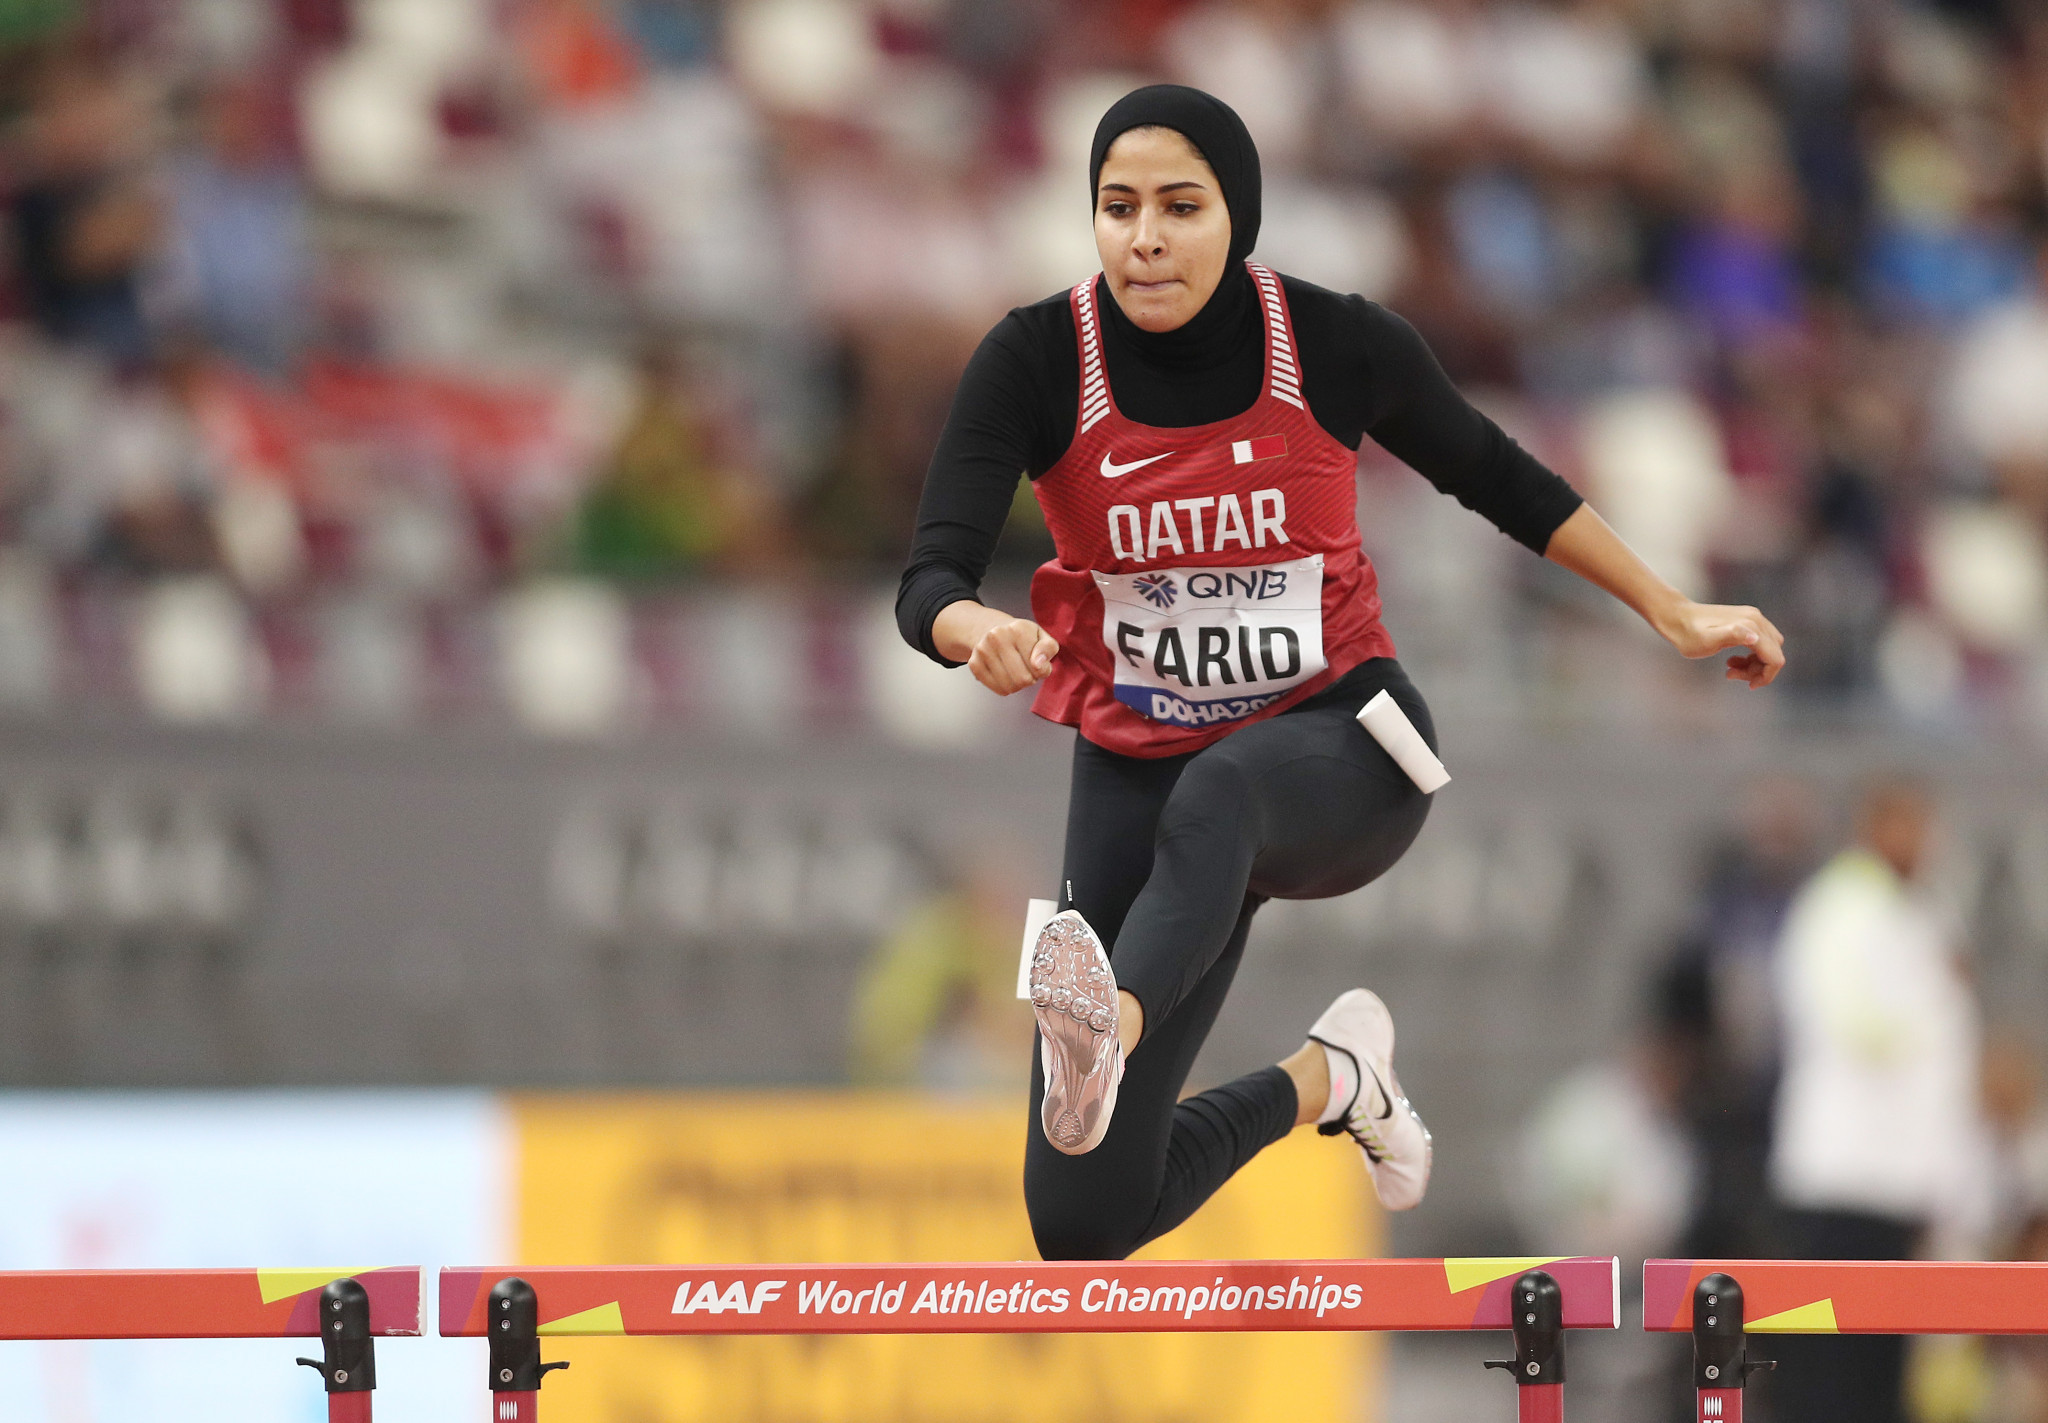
(1163, 187)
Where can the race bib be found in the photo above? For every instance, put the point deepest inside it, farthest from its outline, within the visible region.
(1198, 646)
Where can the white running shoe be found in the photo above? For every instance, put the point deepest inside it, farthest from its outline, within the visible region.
(1074, 995)
(1395, 1142)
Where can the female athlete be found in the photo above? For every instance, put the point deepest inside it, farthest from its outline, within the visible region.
(1211, 628)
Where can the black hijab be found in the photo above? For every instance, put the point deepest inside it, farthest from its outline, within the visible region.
(1217, 133)
(1230, 316)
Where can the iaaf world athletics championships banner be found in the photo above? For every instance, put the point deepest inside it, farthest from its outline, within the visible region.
(1040, 1298)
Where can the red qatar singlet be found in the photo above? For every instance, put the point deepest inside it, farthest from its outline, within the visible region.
(1206, 576)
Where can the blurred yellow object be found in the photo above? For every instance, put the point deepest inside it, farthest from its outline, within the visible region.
(1948, 1379)
(871, 1176)
(935, 1005)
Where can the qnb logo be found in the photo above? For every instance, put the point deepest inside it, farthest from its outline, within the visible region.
(708, 1299)
(1260, 584)
(1156, 589)
(1710, 1408)
(508, 1412)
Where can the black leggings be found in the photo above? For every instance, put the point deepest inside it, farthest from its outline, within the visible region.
(1169, 859)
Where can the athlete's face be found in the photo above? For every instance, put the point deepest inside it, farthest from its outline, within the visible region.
(1161, 227)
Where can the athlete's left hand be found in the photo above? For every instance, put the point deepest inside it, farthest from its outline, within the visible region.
(1703, 629)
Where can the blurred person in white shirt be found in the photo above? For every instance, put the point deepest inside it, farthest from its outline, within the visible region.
(1879, 1128)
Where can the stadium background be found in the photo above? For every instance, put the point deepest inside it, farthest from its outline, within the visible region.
(455, 457)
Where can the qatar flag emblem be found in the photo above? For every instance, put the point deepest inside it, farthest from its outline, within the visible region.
(1266, 447)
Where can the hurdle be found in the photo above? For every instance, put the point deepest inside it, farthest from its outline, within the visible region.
(1722, 1301)
(1537, 1298)
(348, 1312)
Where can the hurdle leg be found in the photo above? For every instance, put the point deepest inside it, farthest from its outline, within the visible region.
(516, 1369)
(348, 1362)
(1540, 1403)
(1720, 1350)
(1537, 1318)
(349, 1407)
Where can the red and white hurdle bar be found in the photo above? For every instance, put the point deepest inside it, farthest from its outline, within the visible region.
(1721, 1301)
(347, 1312)
(1536, 1298)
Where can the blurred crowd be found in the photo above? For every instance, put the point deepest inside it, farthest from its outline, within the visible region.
(339, 336)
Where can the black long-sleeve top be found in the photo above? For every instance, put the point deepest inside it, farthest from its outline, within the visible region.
(1365, 371)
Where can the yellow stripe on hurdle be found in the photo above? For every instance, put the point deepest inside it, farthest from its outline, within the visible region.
(283, 1284)
(1472, 1271)
(605, 1319)
(1815, 1318)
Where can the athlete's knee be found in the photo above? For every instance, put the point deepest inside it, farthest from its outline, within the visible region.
(1082, 1240)
(1080, 1226)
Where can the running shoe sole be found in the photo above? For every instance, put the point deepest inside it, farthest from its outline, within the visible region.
(1073, 994)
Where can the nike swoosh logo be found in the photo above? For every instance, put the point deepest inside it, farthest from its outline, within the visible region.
(1386, 1098)
(1111, 469)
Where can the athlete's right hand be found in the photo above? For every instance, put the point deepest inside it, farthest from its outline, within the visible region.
(1011, 655)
